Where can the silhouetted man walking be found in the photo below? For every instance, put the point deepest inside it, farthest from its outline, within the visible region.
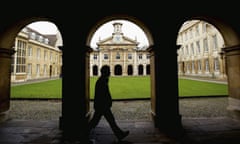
(103, 104)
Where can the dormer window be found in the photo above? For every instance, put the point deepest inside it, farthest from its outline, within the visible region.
(46, 41)
(40, 38)
(33, 35)
(24, 30)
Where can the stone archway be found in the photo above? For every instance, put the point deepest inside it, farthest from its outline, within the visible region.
(140, 69)
(118, 70)
(95, 70)
(230, 55)
(162, 39)
(148, 69)
(130, 70)
(7, 40)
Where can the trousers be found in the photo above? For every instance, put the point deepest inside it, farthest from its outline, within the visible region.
(109, 117)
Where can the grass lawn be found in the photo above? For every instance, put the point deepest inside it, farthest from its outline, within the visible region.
(198, 88)
(47, 89)
(126, 87)
(120, 87)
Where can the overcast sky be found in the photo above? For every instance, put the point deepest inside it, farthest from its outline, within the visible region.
(129, 29)
(44, 27)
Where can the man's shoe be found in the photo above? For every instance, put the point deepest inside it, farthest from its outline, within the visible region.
(123, 135)
(91, 141)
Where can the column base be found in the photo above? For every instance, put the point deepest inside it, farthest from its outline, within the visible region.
(3, 117)
(171, 125)
(234, 108)
(74, 128)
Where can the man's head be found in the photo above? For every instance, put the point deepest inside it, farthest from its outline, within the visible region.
(105, 70)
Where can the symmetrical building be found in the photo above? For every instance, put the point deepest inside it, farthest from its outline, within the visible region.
(121, 54)
(200, 53)
(36, 56)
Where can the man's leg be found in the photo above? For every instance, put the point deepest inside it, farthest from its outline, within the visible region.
(116, 129)
(95, 120)
(92, 124)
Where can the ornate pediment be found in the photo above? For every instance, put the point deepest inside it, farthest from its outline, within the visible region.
(117, 40)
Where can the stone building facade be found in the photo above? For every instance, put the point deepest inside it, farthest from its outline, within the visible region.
(200, 53)
(36, 56)
(121, 54)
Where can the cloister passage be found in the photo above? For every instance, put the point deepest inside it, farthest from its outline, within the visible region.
(161, 28)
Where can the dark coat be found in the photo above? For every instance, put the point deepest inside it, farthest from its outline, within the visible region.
(102, 97)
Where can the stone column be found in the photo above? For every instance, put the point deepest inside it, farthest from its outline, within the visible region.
(124, 63)
(5, 80)
(111, 64)
(75, 93)
(164, 93)
(135, 66)
(233, 72)
(222, 65)
(144, 69)
(100, 61)
(87, 81)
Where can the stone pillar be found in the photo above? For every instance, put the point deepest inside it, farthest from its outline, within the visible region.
(233, 73)
(75, 94)
(110, 62)
(87, 80)
(135, 66)
(100, 62)
(164, 93)
(223, 65)
(5, 81)
(144, 69)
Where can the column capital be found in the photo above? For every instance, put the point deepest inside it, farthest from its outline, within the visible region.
(150, 49)
(178, 47)
(60, 47)
(232, 50)
(6, 52)
(89, 50)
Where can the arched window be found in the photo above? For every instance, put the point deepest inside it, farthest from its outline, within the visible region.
(130, 70)
(118, 70)
(95, 70)
(140, 70)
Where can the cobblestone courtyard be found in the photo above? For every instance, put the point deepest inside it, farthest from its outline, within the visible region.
(204, 121)
(123, 110)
